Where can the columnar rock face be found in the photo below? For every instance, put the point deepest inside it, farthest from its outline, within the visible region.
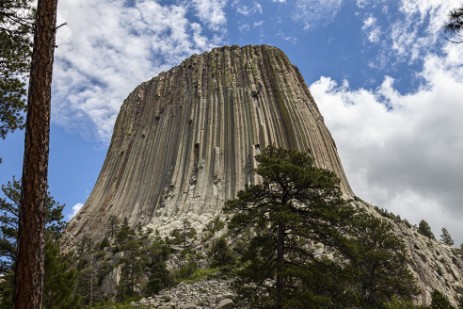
(184, 142)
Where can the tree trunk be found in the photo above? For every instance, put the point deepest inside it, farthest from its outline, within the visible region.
(28, 288)
(280, 285)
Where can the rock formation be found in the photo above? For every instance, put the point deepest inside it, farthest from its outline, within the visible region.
(184, 143)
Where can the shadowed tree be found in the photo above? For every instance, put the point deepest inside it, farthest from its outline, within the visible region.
(29, 274)
(454, 26)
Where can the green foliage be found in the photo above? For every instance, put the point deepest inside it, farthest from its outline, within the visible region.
(212, 228)
(60, 279)
(397, 303)
(140, 259)
(446, 238)
(16, 27)
(308, 248)
(60, 275)
(379, 262)
(425, 229)
(183, 236)
(440, 301)
(9, 218)
(112, 226)
(454, 26)
(220, 253)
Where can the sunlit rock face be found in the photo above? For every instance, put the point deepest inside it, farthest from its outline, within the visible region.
(184, 142)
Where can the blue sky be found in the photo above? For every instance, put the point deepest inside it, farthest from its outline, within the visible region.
(389, 85)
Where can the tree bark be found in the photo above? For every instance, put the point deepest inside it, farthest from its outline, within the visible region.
(29, 274)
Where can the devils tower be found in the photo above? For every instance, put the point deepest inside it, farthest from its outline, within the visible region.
(184, 142)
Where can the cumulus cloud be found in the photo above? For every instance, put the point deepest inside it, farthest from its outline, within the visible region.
(402, 151)
(75, 210)
(310, 12)
(109, 47)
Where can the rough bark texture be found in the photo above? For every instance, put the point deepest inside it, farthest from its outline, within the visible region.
(30, 261)
(185, 141)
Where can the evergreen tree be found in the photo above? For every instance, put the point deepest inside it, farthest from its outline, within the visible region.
(296, 204)
(16, 27)
(425, 229)
(60, 279)
(454, 25)
(9, 216)
(308, 248)
(379, 262)
(30, 261)
(112, 226)
(60, 276)
(220, 253)
(446, 238)
(159, 276)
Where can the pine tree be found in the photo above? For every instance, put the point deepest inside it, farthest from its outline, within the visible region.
(446, 238)
(60, 279)
(425, 229)
(454, 25)
(30, 262)
(9, 217)
(307, 247)
(60, 275)
(16, 27)
(296, 203)
(379, 262)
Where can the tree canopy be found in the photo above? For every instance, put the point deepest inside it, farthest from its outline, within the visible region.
(454, 26)
(308, 248)
(16, 27)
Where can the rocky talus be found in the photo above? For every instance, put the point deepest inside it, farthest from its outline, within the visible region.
(185, 141)
(204, 294)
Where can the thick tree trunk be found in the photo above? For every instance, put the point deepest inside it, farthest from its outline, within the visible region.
(28, 289)
(280, 285)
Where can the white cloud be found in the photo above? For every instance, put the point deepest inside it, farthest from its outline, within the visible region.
(244, 27)
(279, 1)
(75, 210)
(108, 48)
(247, 10)
(372, 30)
(403, 151)
(311, 12)
(419, 28)
(212, 12)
